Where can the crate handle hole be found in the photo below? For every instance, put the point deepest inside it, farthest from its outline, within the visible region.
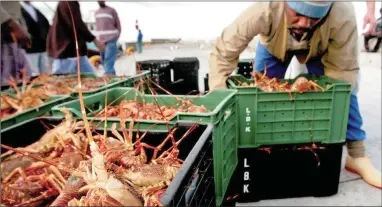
(282, 125)
(303, 112)
(265, 115)
(282, 113)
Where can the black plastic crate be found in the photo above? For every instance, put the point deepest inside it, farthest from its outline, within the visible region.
(195, 150)
(206, 87)
(160, 70)
(176, 88)
(287, 171)
(245, 68)
(187, 68)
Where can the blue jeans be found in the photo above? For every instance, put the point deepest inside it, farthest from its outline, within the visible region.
(109, 56)
(277, 68)
(69, 65)
(139, 46)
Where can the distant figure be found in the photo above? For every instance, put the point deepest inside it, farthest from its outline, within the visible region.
(136, 25)
(61, 43)
(13, 37)
(376, 33)
(109, 29)
(38, 28)
(139, 41)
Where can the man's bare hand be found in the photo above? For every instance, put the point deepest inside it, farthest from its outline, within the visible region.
(100, 45)
(19, 34)
(369, 18)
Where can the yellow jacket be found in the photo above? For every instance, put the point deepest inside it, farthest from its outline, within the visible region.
(335, 40)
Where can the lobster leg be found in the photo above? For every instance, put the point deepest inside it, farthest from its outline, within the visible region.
(57, 173)
(14, 172)
(159, 147)
(116, 133)
(316, 86)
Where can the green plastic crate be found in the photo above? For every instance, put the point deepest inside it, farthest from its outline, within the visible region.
(115, 82)
(223, 117)
(267, 118)
(33, 112)
(132, 80)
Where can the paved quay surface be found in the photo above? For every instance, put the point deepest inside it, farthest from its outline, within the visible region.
(352, 190)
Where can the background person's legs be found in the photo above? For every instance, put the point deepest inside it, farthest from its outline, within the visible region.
(109, 57)
(13, 60)
(377, 45)
(33, 60)
(43, 63)
(69, 65)
(64, 66)
(85, 65)
(139, 46)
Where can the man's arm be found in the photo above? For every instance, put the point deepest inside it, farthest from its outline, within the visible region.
(341, 58)
(369, 17)
(80, 27)
(234, 39)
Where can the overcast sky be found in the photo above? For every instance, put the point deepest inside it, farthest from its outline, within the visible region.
(188, 20)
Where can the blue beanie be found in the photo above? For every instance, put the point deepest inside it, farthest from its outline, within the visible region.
(313, 9)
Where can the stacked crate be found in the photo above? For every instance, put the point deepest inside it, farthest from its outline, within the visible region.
(160, 71)
(186, 74)
(290, 148)
(245, 67)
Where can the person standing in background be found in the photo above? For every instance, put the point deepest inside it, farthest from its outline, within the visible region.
(108, 28)
(369, 17)
(13, 36)
(61, 43)
(375, 33)
(139, 41)
(38, 28)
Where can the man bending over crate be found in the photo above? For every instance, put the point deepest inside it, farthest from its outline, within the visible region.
(322, 35)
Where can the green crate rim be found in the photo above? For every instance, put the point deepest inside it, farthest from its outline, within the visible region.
(171, 120)
(335, 82)
(58, 98)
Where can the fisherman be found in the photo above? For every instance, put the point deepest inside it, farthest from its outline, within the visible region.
(322, 35)
(14, 37)
(139, 41)
(375, 33)
(108, 29)
(61, 43)
(38, 28)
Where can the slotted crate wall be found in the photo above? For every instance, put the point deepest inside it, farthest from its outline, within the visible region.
(195, 150)
(272, 118)
(287, 171)
(245, 67)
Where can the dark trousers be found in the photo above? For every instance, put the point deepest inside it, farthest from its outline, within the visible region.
(366, 42)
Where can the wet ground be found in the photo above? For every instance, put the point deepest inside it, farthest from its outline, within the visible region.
(352, 190)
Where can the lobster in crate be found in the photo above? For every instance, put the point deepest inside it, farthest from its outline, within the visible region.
(266, 84)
